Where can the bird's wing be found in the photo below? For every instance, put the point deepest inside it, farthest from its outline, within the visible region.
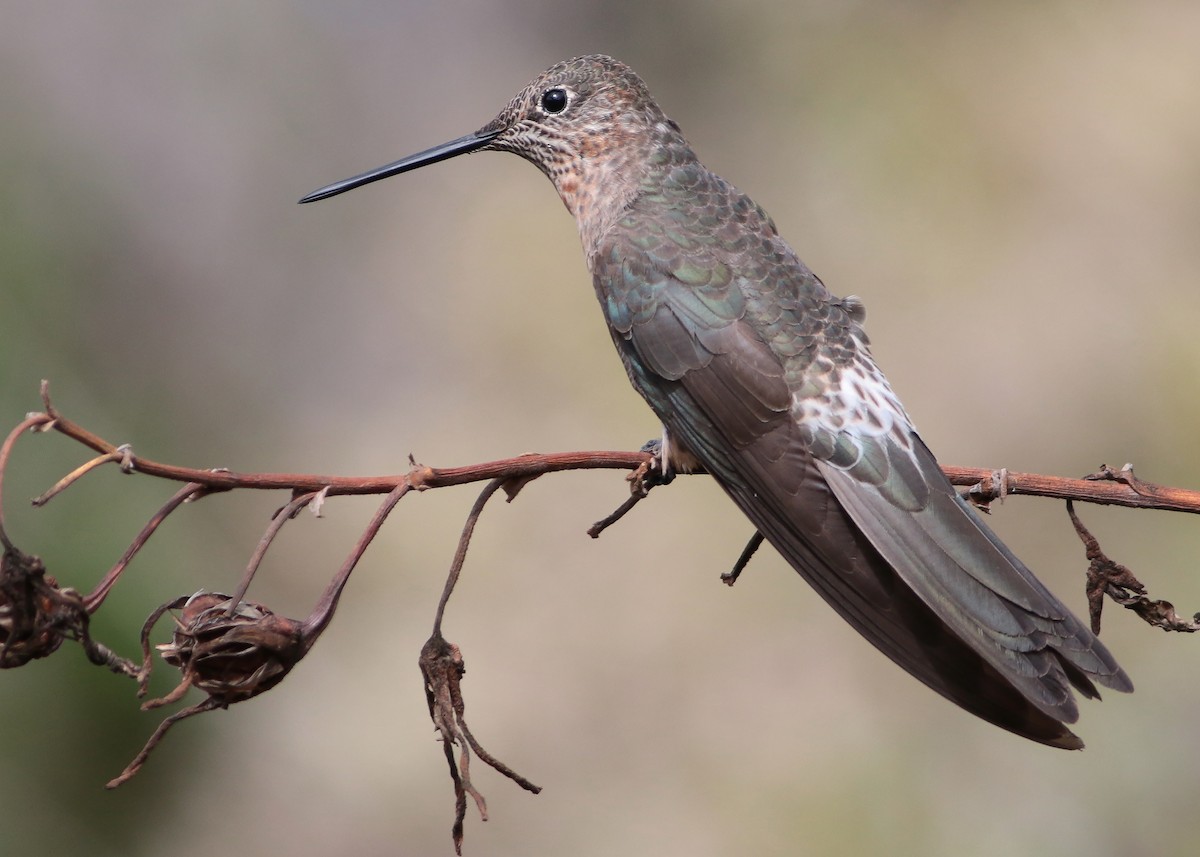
(781, 402)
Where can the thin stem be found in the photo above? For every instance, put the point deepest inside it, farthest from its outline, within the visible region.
(140, 759)
(604, 523)
(74, 475)
(30, 422)
(323, 613)
(191, 491)
(281, 517)
(752, 546)
(460, 555)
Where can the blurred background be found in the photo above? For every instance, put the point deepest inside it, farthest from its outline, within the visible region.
(1011, 188)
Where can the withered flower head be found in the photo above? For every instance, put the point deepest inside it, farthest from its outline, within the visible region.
(232, 654)
(35, 615)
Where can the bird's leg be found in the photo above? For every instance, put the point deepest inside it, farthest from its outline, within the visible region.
(664, 458)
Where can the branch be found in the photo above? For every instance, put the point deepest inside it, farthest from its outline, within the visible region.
(1105, 487)
(420, 477)
(232, 649)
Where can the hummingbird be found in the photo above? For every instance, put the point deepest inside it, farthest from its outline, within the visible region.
(765, 379)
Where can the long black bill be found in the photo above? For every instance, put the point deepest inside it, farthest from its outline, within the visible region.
(461, 146)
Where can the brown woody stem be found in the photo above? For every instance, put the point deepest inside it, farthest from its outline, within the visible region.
(1107, 487)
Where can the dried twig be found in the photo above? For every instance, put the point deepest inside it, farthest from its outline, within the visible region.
(282, 516)
(1119, 489)
(420, 477)
(233, 649)
(460, 553)
(189, 492)
(207, 704)
(984, 486)
(322, 614)
(752, 546)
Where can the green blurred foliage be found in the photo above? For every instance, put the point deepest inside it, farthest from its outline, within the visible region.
(1010, 187)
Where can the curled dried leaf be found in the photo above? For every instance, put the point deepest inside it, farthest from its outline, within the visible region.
(1106, 577)
(442, 667)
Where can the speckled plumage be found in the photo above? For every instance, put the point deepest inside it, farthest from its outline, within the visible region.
(761, 374)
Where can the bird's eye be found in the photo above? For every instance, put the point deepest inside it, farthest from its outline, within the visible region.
(554, 100)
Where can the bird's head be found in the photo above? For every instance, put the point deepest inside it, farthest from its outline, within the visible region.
(590, 124)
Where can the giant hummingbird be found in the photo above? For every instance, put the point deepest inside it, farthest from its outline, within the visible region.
(765, 378)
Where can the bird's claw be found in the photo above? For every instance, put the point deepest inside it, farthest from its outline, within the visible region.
(659, 471)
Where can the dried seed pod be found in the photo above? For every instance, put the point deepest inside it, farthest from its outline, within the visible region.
(35, 615)
(232, 652)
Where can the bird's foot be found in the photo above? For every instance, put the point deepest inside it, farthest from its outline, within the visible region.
(659, 470)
